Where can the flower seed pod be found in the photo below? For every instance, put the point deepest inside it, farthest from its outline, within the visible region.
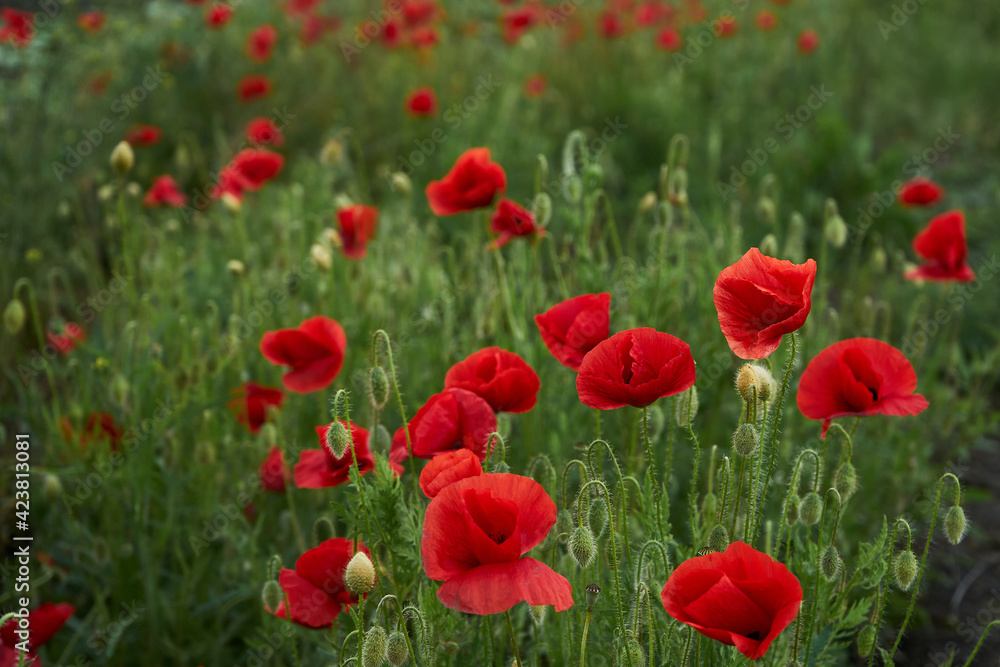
(746, 439)
(359, 575)
(564, 524)
(373, 653)
(792, 509)
(541, 207)
(631, 653)
(866, 640)
(582, 547)
(810, 509)
(845, 480)
(378, 385)
(747, 380)
(13, 316)
(829, 563)
(687, 406)
(537, 613)
(337, 440)
(597, 517)
(593, 591)
(396, 650)
(904, 568)
(954, 524)
(122, 158)
(272, 595)
(718, 539)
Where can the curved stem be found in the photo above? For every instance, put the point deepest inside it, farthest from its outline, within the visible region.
(982, 638)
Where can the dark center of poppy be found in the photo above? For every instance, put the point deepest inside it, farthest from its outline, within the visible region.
(755, 635)
(861, 384)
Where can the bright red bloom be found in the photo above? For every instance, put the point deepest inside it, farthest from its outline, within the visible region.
(274, 473)
(942, 243)
(18, 28)
(740, 597)
(314, 350)
(318, 468)
(72, 335)
(448, 468)
(669, 39)
(808, 42)
(652, 12)
(725, 26)
(501, 378)
(535, 85)
(218, 15)
(475, 532)
(421, 103)
(420, 12)
(357, 227)
(44, 621)
(472, 183)
(425, 37)
(91, 21)
(858, 377)
(256, 166)
(634, 367)
(253, 87)
(516, 21)
(229, 183)
(760, 299)
(766, 20)
(511, 220)
(574, 327)
(141, 136)
(920, 191)
(610, 25)
(100, 426)
(251, 403)
(260, 43)
(264, 131)
(315, 588)
(453, 419)
(164, 192)
(392, 34)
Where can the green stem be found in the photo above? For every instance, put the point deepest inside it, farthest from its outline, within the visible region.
(513, 640)
(982, 638)
(399, 401)
(508, 306)
(583, 640)
(651, 460)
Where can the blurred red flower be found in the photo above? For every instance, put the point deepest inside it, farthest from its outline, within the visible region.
(510, 220)
(314, 350)
(260, 43)
(766, 20)
(920, 191)
(475, 532)
(610, 25)
(319, 468)
(274, 473)
(18, 26)
(572, 328)
(807, 42)
(652, 12)
(253, 87)
(421, 102)
(453, 419)
(164, 192)
(945, 250)
(535, 85)
(357, 224)
(44, 621)
(858, 377)
(251, 402)
(257, 166)
(668, 39)
(91, 21)
(472, 183)
(448, 468)
(516, 21)
(218, 15)
(263, 132)
(500, 377)
(759, 299)
(142, 136)
(72, 335)
(425, 37)
(421, 12)
(725, 26)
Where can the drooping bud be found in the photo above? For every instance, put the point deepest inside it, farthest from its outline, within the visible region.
(954, 524)
(597, 517)
(337, 440)
(687, 406)
(834, 227)
(582, 547)
(272, 595)
(541, 207)
(378, 385)
(52, 488)
(795, 245)
(564, 524)
(396, 650)
(338, 406)
(829, 563)
(373, 653)
(359, 575)
(656, 420)
(747, 380)
(631, 653)
(647, 202)
(845, 480)
(321, 257)
(331, 153)
(765, 210)
(235, 267)
(572, 188)
(810, 509)
(746, 439)
(268, 434)
(866, 640)
(537, 613)
(122, 158)
(769, 245)
(765, 382)
(718, 539)
(13, 316)
(792, 509)
(904, 568)
(322, 530)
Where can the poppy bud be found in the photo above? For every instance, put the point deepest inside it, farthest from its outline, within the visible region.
(765, 382)
(122, 158)
(331, 153)
(337, 439)
(13, 316)
(537, 613)
(835, 230)
(845, 480)
(321, 257)
(747, 379)
(272, 595)
(647, 202)
(359, 576)
(710, 505)
(451, 647)
(373, 653)
(718, 540)
(792, 510)
(954, 524)
(400, 183)
(269, 434)
(597, 517)
(766, 210)
(500, 468)
(383, 441)
(769, 245)
(564, 523)
(274, 567)
(879, 260)
(582, 547)
(904, 568)
(631, 653)
(745, 439)
(866, 640)
(572, 188)
(235, 267)
(687, 406)
(322, 530)
(119, 389)
(378, 384)
(829, 563)
(593, 176)
(338, 406)
(133, 189)
(52, 489)
(541, 208)
(810, 509)
(396, 650)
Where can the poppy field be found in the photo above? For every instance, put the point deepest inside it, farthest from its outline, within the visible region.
(410, 332)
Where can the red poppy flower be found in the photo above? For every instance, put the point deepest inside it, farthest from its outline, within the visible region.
(141, 136)
(760, 299)
(264, 131)
(425, 37)
(253, 87)
(669, 39)
(634, 367)
(420, 12)
(453, 419)
(725, 26)
(392, 34)
(298, 8)
(319, 469)
(312, 30)
(101, 426)
(421, 103)
(766, 20)
(315, 589)
(256, 166)
(357, 227)
(858, 377)
(920, 191)
(218, 15)
(573, 328)
(808, 42)
(515, 22)
(942, 243)
(448, 468)
(652, 12)
(18, 28)
(229, 182)
(610, 25)
(472, 183)
(260, 43)
(511, 220)
(91, 21)
(72, 335)
(314, 350)
(164, 192)
(251, 403)
(274, 473)
(475, 532)
(741, 597)
(44, 621)
(501, 378)
(535, 85)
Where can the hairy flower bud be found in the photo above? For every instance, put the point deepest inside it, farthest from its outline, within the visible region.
(792, 509)
(582, 547)
(537, 613)
(396, 650)
(835, 230)
(359, 575)
(747, 380)
(795, 243)
(710, 506)
(647, 202)
(631, 653)
(866, 640)
(810, 509)
(572, 188)
(656, 420)
(272, 595)
(337, 440)
(746, 439)
(541, 207)
(373, 653)
(954, 524)
(845, 480)
(593, 176)
(687, 406)
(597, 516)
(829, 563)
(378, 384)
(13, 316)
(322, 530)
(119, 389)
(765, 382)
(904, 568)
(122, 158)
(718, 539)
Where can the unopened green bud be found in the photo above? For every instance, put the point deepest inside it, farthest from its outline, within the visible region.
(373, 653)
(400, 183)
(792, 509)
(338, 407)
(647, 202)
(359, 575)
(272, 595)
(274, 567)
(13, 316)
(450, 647)
(322, 530)
(829, 563)
(879, 260)
(631, 653)
(765, 382)
(597, 517)
(656, 421)
(541, 207)
(378, 384)
(537, 613)
(564, 523)
(954, 524)
(746, 439)
(795, 249)
(119, 389)
(53, 488)
(122, 158)
(572, 188)
(383, 439)
(845, 480)
(593, 176)
(810, 509)
(835, 230)
(904, 568)
(582, 547)
(396, 650)
(766, 209)
(687, 406)
(718, 539)
(268, 434)
(866, 640)
(769, 245)
(747, 381)
(337, 440)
